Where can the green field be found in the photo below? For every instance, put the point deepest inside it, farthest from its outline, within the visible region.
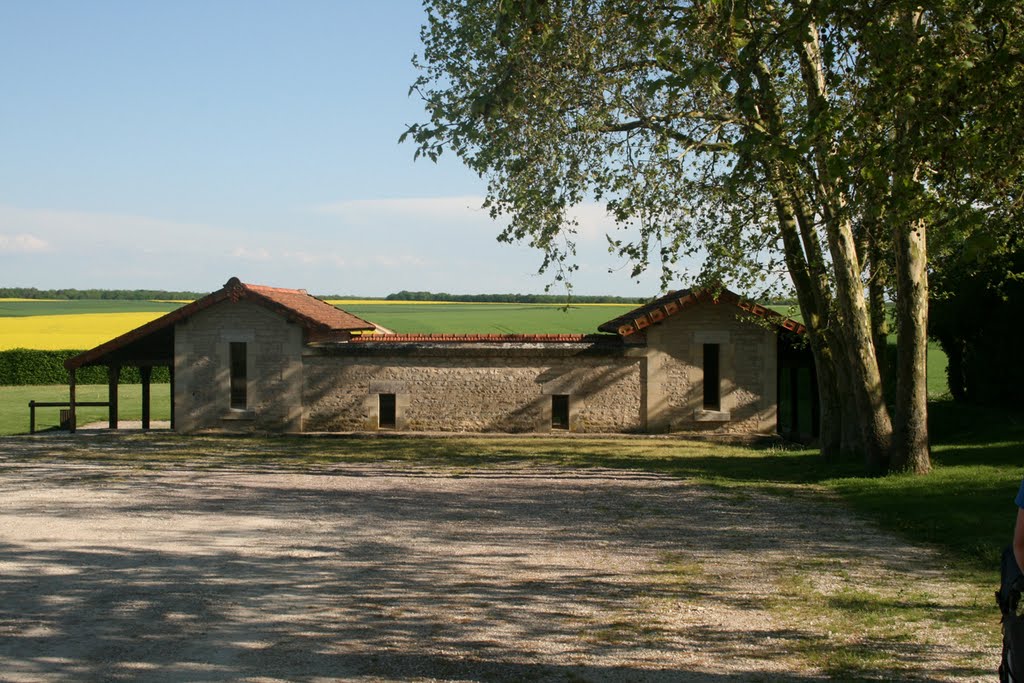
(414, 318)
(23, 309)
(407, 318)
(402, 317)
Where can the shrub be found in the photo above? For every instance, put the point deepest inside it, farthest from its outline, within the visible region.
(19, 367)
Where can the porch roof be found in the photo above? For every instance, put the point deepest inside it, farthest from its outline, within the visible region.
(153, 343)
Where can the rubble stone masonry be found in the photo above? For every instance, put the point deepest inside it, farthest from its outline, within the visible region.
(472, 387)
(651, 381)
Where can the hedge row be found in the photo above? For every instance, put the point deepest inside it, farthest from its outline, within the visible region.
(30, 366)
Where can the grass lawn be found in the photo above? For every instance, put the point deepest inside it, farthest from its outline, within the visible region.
(966, 503)
(14, 404)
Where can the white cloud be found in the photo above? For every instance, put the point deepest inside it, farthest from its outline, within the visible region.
(246, 254)
(594, 221)
(418, 208)
(22, 243)
(365, 247)
(74, 230)
(307, 258)
(400, 261)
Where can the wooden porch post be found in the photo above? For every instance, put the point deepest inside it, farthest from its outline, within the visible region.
(794, 384)
(815, 402)
(171, 373)
(146, 373)
(113, 375)
(71, 400)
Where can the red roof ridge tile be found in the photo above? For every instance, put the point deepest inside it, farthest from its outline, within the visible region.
(268, 288)
(470, 337)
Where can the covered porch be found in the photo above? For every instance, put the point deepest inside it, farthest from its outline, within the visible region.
(143, 349)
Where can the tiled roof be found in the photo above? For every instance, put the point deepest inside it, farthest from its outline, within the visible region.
(493, 338)
(675, 302)
(295, 304)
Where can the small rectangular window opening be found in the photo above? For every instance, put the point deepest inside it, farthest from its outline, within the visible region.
(560, 411)
(239, 376)
(386, 411)
(712, 378)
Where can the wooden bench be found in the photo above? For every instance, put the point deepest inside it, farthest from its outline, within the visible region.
(66, 418)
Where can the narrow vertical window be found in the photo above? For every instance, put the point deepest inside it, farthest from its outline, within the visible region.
(712, 379)
(239, 375)
(560, 411)
(386, 411)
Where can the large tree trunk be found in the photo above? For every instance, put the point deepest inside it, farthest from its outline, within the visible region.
(830, 407)
(814, 308)
(910, 436)
(876, 303)
(855, 327)
(851, 443)
(910, 452)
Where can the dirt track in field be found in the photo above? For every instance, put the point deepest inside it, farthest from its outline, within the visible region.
(385, 572)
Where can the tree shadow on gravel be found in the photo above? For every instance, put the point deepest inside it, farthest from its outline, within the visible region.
(220, 575)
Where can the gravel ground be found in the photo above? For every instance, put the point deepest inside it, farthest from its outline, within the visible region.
(387, 572)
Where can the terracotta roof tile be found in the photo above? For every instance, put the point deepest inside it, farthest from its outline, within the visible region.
(314, 314)
(313, 311)
(678, 301)
(492, 338)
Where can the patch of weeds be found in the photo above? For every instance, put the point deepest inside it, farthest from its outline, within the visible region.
(816, 565)
(848, 661)
(624, 631)
(872, 611)
(851, 632)
(677, 570)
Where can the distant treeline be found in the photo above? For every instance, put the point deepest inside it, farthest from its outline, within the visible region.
(94, 294)
(511, 298)
(151, 294)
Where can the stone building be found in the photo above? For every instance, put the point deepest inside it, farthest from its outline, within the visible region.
(254, 358)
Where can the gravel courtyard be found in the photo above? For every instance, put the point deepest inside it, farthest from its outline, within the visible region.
(390, 572)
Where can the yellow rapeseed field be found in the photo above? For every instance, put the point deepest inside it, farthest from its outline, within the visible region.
(68, 331)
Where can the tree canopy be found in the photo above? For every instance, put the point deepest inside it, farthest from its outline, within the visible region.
(821, 140)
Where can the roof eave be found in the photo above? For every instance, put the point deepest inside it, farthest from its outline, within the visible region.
(235, 290)
(92, 355)
(678, 301)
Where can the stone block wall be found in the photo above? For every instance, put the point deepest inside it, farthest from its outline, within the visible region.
(457, 387)
(656, 386)
(747, 372)
(202, 372)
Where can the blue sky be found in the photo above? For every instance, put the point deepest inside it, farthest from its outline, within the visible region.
(175, 144)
